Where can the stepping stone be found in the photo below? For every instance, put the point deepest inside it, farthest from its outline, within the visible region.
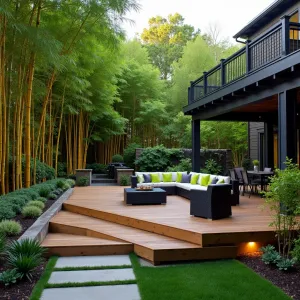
(93, 261)
(91, 275)
(114, 292)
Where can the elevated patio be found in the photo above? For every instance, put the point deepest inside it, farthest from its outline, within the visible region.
(95, 221)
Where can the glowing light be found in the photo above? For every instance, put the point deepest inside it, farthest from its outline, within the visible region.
(251, 244)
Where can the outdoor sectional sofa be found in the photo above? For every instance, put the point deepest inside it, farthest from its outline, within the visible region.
(213, 201)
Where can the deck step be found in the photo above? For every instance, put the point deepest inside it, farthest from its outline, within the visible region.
(63, 244)
(151, 246)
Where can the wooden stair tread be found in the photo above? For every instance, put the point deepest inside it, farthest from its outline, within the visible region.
(63, 239)
(124, 233)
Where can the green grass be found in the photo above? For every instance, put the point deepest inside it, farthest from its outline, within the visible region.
(92, 268)
(39, 287)
(89, 283)
(222, 280)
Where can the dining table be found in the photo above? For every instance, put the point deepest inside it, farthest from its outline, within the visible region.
(262, 175)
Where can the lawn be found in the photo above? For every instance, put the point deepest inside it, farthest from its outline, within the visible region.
(226, 279)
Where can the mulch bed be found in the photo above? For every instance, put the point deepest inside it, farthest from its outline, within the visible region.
(289, 282)
(22, 290)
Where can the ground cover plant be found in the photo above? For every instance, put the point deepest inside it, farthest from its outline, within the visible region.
(226, 279)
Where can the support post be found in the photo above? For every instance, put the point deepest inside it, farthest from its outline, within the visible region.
(285, 21)
(205, 83)
(287, 129)
(248, 58)
(196, 146)
(223, 74)
(268, 145)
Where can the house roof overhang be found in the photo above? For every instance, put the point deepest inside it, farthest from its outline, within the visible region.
(274, 10)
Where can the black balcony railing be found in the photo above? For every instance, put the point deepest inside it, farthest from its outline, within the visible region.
(280, 40)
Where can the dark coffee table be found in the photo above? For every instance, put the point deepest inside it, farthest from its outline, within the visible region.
(155, 196)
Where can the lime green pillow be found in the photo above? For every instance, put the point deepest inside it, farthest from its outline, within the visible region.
(179, 177)
(140, 178)
(167, 177)
(221, 181)
(155, 178)
(194, 178)
(204, 180)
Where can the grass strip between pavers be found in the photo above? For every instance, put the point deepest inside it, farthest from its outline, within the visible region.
(89, 283)
(40, 286)
(88, 268)
(213, 280)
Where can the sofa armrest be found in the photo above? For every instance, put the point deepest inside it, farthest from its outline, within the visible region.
(134, 181)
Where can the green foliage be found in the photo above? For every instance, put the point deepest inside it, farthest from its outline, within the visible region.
(129, 154)
(212, 167)
(44, 191)
(117, 158)
(57, 192)
(36, 203)
(31, 212)
(41, 199)
(270, 256)
(7, 210)
(97, 168)
(61, 169)
(52, 196)
(24, 256)
(10, 228)
(66, 186)
(295, 252)
(124, 180)
(283, 201)
(255, 162)
(9, 277)
(2, 243)
(247, 164)
(70, 182)
(184, 165)
(83, 181)
(158, 158)
(285, 264)
(60, 184)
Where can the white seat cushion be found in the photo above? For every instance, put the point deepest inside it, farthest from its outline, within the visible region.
(164, 184)
(185, 186)
(226, 178)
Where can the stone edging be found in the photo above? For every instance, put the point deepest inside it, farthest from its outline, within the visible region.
(39, 229)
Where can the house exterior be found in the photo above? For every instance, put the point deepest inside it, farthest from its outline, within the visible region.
(259, 84)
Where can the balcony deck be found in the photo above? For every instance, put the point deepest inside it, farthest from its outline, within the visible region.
(158, 233)
(268, 60)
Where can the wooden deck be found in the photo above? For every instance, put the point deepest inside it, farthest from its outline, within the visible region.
(156, 232)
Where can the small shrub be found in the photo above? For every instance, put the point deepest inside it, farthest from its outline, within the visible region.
(38, 204)
(57, 192)
(24, 256)
(70, 182)
(9, 277)
(41, 199)
(117, 158)
(71, 176)
(7, 211)
(44, 191)
(83, 181)
(10, 228)
(296, 251)
(97, 168)
(66, 186)
(285, 264)
(124, 180)
(184, 165)
(60, 184)
(17, 201)
(270, 255)
(129, 154)
(247, 164)
(212, 167)
(31, 212)
(52, 196)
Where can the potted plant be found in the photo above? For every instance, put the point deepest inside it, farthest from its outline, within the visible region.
(256, 165)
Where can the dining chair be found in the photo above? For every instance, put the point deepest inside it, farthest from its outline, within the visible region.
(248, 183)
(232, 174)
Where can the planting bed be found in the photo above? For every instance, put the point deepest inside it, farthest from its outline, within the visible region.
(289, 282)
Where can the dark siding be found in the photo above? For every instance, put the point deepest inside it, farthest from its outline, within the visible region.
(254, 129)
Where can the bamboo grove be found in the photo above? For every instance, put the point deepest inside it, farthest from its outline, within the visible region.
(56, 65)
(74, 91)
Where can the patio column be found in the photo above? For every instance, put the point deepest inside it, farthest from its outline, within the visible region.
(196, 145)
(287, 129)
(268, 145)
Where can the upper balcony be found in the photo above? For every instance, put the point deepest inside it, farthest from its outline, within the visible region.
(274, 45)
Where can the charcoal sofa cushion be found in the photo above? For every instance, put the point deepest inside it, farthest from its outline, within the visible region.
(147, 178)
(186, 178)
